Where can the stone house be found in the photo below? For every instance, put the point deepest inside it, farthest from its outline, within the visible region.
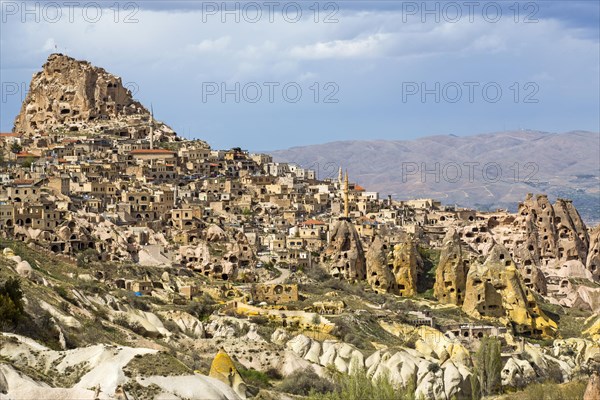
(274, 294)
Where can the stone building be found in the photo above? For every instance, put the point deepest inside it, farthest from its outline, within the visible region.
(274, 293)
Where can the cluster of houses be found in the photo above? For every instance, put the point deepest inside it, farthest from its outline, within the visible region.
(283, 209)
(285, 213)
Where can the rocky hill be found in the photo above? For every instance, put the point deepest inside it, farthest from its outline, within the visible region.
(75, 96)
(561, 165)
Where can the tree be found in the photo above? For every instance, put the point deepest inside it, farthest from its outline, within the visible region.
(11, 301)
(28, 161)
(16, 148)
(489, 366)
(475, 386)
(9, 312)
(316, 319)
(12, 289)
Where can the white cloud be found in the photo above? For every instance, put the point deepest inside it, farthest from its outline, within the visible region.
(368, 53)
(359, 47)
(208, 45)
(488, 43)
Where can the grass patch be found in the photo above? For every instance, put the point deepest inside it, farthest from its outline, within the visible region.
(573, 390)
(160, 363)
(256, 378)
(570, 321)
(361, 330)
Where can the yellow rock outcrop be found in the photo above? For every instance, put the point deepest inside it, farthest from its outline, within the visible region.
(451, 273)
(594, 330)
(405, 261)
(495, 289)
(393, 271)
(8, 252)
(223, 369)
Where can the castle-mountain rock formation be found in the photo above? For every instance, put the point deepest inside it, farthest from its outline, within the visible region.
(75, 96)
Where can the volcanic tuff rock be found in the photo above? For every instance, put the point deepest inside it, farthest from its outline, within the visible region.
(593, 257)
(555, 254)
(554, 239)
(101, 366)
(223, 369)
(556, 234)
(482, 236)
(439, 366)
(393, 271)
(494, 289)
(405, 264)
(451, 273)
(379, 275)
(344, 256)
(75, 96)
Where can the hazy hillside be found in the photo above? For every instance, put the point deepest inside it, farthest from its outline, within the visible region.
(561, 165)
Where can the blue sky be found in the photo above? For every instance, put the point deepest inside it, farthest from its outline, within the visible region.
(376, 58)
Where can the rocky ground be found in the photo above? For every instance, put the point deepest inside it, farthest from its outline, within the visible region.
(83, 338)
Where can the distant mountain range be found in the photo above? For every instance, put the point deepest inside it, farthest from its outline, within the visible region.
(486, 171)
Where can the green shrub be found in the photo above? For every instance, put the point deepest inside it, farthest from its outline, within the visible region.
(316, 319)
(133, 326)
(201, 307)
(90, 287)
(171, 326)
(87, 257)
(303, 382)
(12, 289)
(9, 312)
(137, 302)
(273, 373)
(359, 386)
(64, 293)
(347, 331)
(121, 320)
(317, 273)
(259, 320)
(433, 367)
(39, 325)
(426, 276)
(11, 302)
(255, 378)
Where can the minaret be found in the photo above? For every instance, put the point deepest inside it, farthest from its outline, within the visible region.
(340, 177)
(151, 127)
(346, 205)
